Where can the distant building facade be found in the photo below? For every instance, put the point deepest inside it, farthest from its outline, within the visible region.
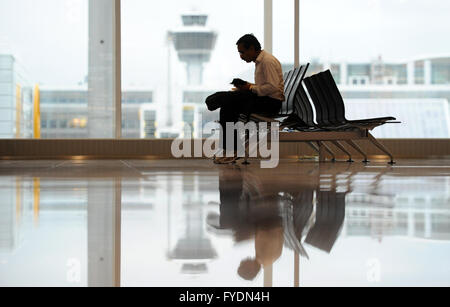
(15, 99)
(64, 113)
(432, 70)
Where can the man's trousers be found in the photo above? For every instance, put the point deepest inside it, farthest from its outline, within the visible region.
(233, 103)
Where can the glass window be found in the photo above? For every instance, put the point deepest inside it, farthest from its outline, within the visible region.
(283, 33)
(63, 123)
(441, 71)
(53, 123)
(178, 53)
(46, 48)
(405, 70)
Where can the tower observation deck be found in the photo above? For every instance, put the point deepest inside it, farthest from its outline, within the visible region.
(194, 43)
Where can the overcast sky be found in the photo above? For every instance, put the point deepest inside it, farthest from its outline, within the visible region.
(51, 36)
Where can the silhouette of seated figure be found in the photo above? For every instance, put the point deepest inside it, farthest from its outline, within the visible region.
(250, 211)
(268, 247)
(275, 215)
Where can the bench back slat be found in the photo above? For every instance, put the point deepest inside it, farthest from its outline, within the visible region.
(287, 87)
(292, 82)
(326, 100)
(333, 92)
(322, 117)
(304, 109)
(289, 91)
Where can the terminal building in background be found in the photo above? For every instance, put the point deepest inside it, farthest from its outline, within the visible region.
(15, 99)
(427, 70)
(64, 113)
(417, 93)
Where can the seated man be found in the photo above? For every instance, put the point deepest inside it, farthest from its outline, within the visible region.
(265, 96)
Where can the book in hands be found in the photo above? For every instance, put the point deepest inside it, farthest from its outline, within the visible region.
(238, 82)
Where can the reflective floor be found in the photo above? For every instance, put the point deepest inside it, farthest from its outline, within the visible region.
(194, 223)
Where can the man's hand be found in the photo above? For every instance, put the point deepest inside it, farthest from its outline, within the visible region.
(244, 87)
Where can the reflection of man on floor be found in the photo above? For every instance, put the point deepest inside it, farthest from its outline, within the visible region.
(251, 210)
(268, 247)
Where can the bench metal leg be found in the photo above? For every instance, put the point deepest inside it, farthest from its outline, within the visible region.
(328, 149)
(321, 152)
(358, 149)
(247, 148)
(247, 153)
(324, 148)
(376, 181)
(311, 144)
(339, 145)
(381, 147)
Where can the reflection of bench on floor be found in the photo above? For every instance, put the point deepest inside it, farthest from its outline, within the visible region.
(320, 227)
(330, 215)
(298, 123)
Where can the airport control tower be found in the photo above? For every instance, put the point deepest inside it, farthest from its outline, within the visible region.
(194, 43)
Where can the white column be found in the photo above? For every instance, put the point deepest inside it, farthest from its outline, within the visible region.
(117, 55)
(8, 216)
(427, 222)
(411, 224)
(104, 68)
(296, 269)
(104, 232)
(343, 73)
(410, 72)
(427, 72)
(268, 21)
(169, 40)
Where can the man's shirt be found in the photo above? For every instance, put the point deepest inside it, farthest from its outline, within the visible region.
(268, 77)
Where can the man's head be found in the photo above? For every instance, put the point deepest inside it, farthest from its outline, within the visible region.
(248, 47)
